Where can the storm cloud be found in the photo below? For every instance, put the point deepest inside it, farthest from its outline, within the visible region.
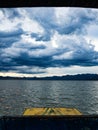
(33, 40)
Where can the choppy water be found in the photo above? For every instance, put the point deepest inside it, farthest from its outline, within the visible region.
(16, 95)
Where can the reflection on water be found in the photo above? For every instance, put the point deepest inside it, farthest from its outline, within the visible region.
(16, 95)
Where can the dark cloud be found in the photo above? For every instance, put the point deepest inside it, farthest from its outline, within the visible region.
(8, 38)
(80, 58)
(45, 37)
(11, 33)
(10, 13)
(24, 59)
(77, 22)
(43, 50)
(28, 71)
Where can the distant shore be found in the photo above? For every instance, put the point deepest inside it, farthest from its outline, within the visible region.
(65, 77)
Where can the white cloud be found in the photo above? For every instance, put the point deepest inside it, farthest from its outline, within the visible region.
(24, 22)
(7, 26)
(71, 70)
(57, 33)
(27, 39)
(1, 15)
(67, 55)
(92, 35)
(62, 18)
(31, 26)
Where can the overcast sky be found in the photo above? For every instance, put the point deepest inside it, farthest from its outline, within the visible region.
(48, 41)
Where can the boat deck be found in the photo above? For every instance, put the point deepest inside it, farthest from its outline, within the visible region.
(51, 111)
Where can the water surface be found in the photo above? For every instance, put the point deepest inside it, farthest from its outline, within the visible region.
(17, 95)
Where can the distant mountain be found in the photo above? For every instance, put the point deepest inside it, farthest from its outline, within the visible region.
(66, 77)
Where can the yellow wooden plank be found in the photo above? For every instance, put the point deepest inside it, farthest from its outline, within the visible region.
(52, 111)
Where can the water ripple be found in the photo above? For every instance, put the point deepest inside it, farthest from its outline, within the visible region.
(17, 95)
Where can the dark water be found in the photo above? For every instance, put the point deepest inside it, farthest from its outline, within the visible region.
(16, 95)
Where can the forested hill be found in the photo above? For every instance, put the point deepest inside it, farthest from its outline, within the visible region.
(65, 77)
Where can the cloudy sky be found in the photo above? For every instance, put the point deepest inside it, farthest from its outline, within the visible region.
(48, 41)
